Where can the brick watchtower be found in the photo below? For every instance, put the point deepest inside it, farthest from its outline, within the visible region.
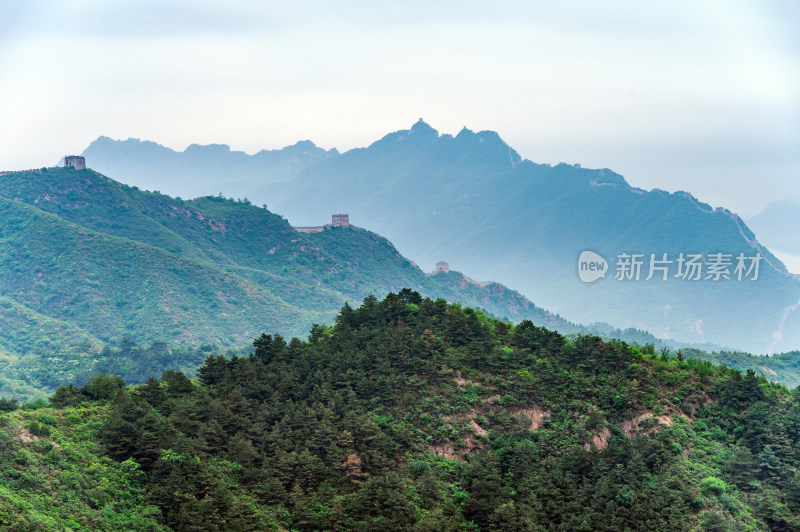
(340, 220)
(75, 161)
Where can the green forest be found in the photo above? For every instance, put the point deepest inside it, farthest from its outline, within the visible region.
(86, 262)
(410, 413)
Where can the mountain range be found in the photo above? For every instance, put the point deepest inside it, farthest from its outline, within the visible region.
(200, 170)
(87, 262)
(472, 200)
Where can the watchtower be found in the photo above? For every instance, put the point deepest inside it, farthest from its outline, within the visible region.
(442, 266)
(340, 220)
(75, 161)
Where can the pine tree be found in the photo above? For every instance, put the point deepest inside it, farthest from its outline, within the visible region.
(740, 467)
(769, 465)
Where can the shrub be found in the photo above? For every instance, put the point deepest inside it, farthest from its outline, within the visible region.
(419, 467)
(714, 485)
(48, 419)
(7, 405)
(39, 430)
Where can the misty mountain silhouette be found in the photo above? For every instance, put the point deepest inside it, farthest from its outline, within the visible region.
(472, 200)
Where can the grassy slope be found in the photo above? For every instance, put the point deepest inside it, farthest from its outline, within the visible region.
(28, 338)
(62, 481)
(112, 286)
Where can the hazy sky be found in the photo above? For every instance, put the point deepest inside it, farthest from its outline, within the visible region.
(697, 96)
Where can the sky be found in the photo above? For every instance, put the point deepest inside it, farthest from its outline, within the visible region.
(685, 95)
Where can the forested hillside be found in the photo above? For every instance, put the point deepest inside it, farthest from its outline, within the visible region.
(86, 262)
(412, 414)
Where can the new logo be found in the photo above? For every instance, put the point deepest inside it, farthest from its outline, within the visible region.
(591, 266)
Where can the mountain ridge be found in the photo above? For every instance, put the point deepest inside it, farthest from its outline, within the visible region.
(775, 223)
(466, 213)
(83, 250)
(472, 200)
(197, 169)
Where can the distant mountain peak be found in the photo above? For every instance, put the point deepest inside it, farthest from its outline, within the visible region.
(422, 127)
(305, 144)
(465, 132)
(208, 148)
